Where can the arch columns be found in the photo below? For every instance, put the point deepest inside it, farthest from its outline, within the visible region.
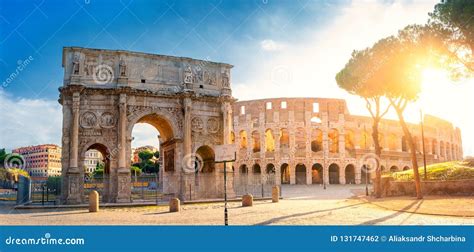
(357, 174)
(123, 191)
(309, 175)
(292, 169)
(326, 172)
(342, 175)
(278, 173)
(188, 180)
(74, 182)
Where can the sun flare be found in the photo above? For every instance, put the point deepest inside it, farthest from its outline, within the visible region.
(434, 87)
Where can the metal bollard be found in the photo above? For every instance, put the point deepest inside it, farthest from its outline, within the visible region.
(174, 205)
(93, 201)
(275, 194)
(247, 200)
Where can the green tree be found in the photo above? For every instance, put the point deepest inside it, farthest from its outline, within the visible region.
(453, 20)
(146, 163)
(413, 49)
(135, 170)
(54, 184)
(145, 155)
(363, 76)
(99, 170)
(3, 154)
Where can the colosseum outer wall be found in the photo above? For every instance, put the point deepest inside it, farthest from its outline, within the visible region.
(316, 140)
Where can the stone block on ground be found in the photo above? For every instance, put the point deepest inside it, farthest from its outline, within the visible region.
(247, 200)
(174, 205)
(275, 194)
(93, 201)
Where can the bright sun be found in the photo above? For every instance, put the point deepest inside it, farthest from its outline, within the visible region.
(434, 77)
(435, 86)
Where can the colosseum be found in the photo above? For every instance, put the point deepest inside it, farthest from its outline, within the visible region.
(316, 140)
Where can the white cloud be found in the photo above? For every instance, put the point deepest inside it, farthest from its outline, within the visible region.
(271, 45)
(144, 134)
(29, 121)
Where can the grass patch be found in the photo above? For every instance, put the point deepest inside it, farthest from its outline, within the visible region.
(454, 170)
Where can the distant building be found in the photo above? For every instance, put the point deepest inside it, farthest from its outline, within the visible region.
(93, 157)
(135, 151)
(41, 161)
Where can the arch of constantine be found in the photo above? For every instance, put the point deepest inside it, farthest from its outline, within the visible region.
(106, 92)
(190, 103)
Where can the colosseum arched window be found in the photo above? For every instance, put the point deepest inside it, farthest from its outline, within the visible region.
(404, 144)
(255, 141)
(243, 139)
(448, 150)
(416, 141)
(394, 168)
(455, 156)
(269, 141)
(243, 169)
(285, 173)
(284, 138)
(365, 140)
(232, 137)
(270, 169)
(349, 141)
(256, 169)
(316, 140)
(333, 141)
(434, 146)
(381, 141)
(441, 149)
(392, 142)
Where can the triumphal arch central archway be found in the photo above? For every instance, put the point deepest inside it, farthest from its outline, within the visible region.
(106, 92)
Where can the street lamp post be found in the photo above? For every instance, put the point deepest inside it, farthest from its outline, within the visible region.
(364, 165)
(423, 142)
(226, 217)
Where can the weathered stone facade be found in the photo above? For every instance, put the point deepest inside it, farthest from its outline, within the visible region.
(311, 140)
(106, 92)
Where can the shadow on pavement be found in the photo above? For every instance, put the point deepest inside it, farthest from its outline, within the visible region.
(391, 216)
(273, 220)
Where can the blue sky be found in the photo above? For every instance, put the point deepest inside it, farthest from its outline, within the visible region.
(280, 48)
(226, 31)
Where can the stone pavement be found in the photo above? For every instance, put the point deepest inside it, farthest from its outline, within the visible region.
(302, 205)
(462, 206)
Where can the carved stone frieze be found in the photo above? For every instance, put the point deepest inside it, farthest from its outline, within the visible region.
(88, 120)
(212, 125)
(107, 120)
(197, 124)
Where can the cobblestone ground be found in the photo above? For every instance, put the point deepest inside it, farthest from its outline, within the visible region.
(303, 205)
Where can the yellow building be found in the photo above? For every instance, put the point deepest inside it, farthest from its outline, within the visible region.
(41, 161)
